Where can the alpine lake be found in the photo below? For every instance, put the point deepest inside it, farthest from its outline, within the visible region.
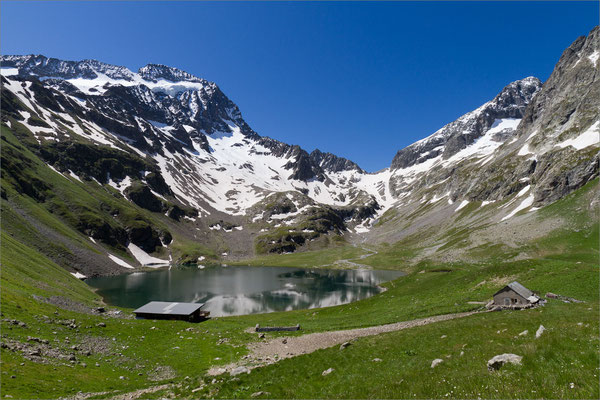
(242, 290)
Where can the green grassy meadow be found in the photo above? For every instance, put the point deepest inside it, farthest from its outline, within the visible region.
(127, 354)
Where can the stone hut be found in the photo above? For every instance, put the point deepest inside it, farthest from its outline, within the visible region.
(515, 295)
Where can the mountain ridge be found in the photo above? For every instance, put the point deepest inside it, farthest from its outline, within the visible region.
(177, 149)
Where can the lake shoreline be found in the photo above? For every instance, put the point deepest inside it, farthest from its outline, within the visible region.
(243, 290)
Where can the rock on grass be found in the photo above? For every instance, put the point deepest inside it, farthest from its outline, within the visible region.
(496, 362)
(539, 332)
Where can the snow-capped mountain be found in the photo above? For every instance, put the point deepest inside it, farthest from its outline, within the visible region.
(207, 153)
(175, 144)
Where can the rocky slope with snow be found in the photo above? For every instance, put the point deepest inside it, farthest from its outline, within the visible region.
(175, 148)
(493, 168)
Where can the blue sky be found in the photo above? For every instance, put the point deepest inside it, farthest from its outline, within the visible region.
(360, 80)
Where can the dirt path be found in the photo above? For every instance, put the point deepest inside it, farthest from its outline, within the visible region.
(136, 394)
(271, 351)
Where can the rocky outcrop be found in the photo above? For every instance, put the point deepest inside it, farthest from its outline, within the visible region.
(142, 196)
(332, 163)
(155, 72)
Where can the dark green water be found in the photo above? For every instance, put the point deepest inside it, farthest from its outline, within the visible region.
(242, 290)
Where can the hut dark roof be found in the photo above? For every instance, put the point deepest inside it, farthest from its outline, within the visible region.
(518, 289)
(168, 308)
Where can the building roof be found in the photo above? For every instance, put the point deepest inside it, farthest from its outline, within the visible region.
(518, 289)
(168, 308)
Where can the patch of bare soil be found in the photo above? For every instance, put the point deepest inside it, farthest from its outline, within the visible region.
(271, 351)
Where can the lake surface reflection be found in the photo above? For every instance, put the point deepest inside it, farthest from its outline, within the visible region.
(243, 290)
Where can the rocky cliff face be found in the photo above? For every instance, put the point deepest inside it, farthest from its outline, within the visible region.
(332, 163)
(556, 144)
(543, 138)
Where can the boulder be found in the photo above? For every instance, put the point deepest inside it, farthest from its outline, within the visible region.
(436, 362)
(499, 360)
(539, 332)
(327, 371)
(344, 345)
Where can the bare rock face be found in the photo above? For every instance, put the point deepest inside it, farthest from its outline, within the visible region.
(332, 163)
(570, 97)
(496, 362)
(567, 106)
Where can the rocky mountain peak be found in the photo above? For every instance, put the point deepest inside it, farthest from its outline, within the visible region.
(510, 103)
(576, 77)
(154, 72)
(516, 96)
(332, 163)
(43, 66)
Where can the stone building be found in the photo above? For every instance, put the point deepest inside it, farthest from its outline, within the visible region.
(515, 295)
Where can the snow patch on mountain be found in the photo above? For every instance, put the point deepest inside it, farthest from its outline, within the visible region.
(527, 202)
(146, 259)
(590, 137)
(120, 262)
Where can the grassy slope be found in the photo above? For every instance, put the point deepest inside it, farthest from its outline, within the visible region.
(26, 273)
(567, 353)
(567, 264)
(68, 201)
